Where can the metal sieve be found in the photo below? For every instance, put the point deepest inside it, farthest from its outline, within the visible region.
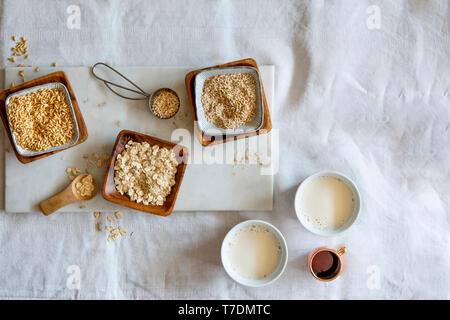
(139, 91)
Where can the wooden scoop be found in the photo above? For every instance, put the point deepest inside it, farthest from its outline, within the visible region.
(67, 196)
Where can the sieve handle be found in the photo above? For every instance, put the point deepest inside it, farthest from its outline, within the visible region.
(108, 83)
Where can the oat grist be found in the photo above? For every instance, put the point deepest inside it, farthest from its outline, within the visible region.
(229, 100)
(40, 120)
(165, 104)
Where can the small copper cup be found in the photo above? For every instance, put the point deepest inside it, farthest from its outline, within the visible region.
(325, 264)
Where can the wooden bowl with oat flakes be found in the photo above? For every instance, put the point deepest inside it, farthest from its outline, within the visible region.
(110, 190)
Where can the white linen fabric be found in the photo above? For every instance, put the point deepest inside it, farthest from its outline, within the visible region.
(370, 102)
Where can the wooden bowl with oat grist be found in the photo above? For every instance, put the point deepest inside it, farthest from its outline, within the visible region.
(209, 131)
(124, 166)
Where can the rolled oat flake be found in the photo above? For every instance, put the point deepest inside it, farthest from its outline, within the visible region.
(164, 103)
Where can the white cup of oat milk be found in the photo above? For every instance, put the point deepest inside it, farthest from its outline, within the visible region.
(327, 203)
(254, 253)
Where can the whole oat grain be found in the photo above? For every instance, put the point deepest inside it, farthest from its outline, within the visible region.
(20, 48)
(229, 100)
(41, 119)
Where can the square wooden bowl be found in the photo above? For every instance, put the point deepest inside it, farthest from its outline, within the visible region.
(207, 140)
(109, 190)
(58, 76)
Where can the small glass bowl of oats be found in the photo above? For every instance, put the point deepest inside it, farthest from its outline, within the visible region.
(229, 100)
(41, 119)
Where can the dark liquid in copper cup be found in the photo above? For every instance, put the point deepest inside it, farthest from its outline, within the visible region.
(326, 265)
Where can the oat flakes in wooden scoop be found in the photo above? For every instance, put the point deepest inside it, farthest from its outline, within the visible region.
(82, 188)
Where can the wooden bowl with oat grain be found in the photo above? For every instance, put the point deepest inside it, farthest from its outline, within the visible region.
(18, 123)
(109, 190)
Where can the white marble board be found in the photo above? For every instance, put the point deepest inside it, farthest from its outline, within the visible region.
(205, 187)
